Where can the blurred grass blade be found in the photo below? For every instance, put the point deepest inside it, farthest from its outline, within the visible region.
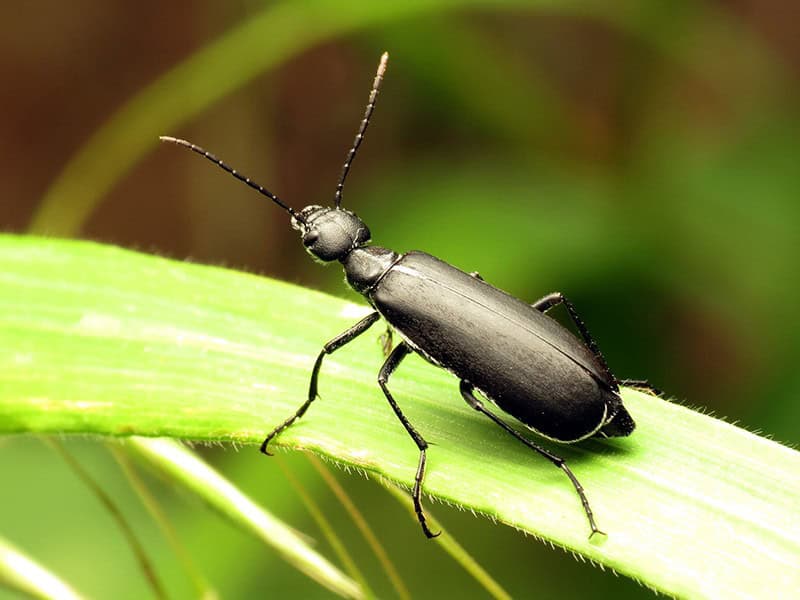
(187, 469)
(333, 538)
(259, 43)
(361, 523)
(145, 564)
(21, 573)
(282, 29)
(202, 588)
(451, 546)
(99, 340)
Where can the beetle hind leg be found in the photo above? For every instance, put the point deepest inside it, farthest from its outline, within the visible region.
(395, 358)
(468, 392)
(642, 385)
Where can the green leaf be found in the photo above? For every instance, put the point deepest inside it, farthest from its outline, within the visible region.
(95, 339)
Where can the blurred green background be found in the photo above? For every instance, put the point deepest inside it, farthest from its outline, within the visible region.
(643, 160)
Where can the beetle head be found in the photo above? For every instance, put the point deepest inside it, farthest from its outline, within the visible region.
(330, 233)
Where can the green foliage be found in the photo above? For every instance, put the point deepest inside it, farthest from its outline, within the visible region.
(98, 340)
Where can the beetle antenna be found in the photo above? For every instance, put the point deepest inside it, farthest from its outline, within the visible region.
(373, 95)
(205, 153)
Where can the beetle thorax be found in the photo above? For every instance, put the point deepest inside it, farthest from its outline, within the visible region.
(330, 233)
(365, 267)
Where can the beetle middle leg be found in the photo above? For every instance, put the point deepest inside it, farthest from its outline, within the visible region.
(386, 340)
(336, 343)
(547, 302)
(468, 392)
(395, 358)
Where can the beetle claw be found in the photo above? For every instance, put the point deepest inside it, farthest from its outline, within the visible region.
(264, 447)
(597, 532)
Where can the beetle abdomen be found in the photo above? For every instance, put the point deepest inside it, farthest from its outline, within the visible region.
(522, 360)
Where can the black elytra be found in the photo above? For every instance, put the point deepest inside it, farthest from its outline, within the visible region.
(510, 351)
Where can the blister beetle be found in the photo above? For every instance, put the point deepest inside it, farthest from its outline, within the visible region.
(523, 361)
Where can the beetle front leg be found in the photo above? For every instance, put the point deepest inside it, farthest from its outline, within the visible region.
(467, 391)
(395, 358)
(546, 303)
(336, 343)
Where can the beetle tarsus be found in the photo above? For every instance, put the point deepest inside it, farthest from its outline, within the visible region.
(416, 495)
(578, 488)
(642, 385)
(275, 432)
(597, 532)
(264, 446)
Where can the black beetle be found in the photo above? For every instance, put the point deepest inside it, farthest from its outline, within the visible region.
(522, 360)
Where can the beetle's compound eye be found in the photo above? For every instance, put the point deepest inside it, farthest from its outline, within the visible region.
(363, 235)
(310, 238)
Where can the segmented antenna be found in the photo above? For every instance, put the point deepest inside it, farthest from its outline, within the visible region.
(205, 153)
(373, 95)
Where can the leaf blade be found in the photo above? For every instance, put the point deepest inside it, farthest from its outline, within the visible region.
(95, 339)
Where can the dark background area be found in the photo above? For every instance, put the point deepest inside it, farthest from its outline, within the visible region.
(648, 171)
